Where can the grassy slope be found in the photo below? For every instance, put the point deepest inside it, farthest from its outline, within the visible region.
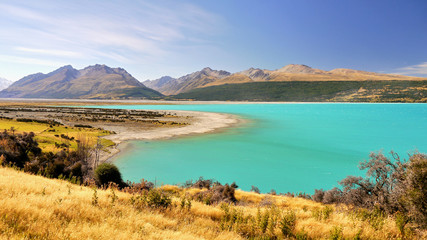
(41, 208)
(342, 91)
(36, 207)
(46, 138)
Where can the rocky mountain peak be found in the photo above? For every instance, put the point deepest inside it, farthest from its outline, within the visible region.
(206, 70)
(256, 74)
(165, 79)
(296, 68)
(214, 73)
(159, 83)
(62, 69)
(97, 69)
(66, 67)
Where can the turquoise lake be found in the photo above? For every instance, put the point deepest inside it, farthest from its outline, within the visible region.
(286, 147)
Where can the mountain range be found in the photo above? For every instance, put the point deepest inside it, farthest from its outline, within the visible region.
(293, 82)
(171, 86)
(97, 81)
(293, 72)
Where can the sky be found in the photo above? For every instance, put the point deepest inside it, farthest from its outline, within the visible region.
(151, 39)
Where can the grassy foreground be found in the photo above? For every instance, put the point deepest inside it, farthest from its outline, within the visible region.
(34, 207)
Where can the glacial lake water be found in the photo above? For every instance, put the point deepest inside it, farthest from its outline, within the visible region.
(286, 147)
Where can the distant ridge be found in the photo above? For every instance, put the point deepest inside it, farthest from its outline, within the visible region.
(170, 86)
(292, 72)
(97, 81)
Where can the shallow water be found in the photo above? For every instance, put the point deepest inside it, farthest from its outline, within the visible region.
(286, 147)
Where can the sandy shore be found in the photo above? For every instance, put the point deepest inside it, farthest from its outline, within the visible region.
(198, 123)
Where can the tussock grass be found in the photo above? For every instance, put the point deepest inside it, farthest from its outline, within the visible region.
(33, 207)
(41, 208)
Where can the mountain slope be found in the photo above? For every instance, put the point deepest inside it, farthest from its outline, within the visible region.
(313, 91)
(97, 81)
(292, 72)
(171, 86)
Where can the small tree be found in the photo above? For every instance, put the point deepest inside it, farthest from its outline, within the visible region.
(97, 150)
(414, 188)
(390, 185)
(318, 195)
(106, 173)
(255, 189)
(16, 148)
(84, 150)
(381, 184)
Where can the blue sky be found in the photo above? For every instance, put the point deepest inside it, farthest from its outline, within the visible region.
(151, 39)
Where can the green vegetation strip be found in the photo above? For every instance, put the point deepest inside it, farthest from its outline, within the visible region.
(327, 91)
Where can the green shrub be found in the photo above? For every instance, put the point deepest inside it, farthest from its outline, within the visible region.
(375, 218)
(95, 197)
(232, 218)
(153, 198)
(157, 199)
(218, 193)
(358, 235)
(322, 214)
(263, 224)
(401, 220)
(106, 173)
(185, 203)
(336, 233)
(301, 235)
(287, 224)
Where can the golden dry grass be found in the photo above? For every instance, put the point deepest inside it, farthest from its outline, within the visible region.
(33, 207)
(41, 208)
(45, 135)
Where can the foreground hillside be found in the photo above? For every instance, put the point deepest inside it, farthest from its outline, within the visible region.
(34, 207)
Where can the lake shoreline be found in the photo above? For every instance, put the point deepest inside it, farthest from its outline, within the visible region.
(293, 147)
(101, 102)
(198, 123)
(123, 124)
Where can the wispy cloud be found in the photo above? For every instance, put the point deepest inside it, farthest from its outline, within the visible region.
(21, 12)
(419, 70)
(51, 52)
(28, 60)
(46, 32)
